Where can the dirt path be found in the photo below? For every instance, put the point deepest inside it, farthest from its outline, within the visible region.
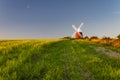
(86, 74)
(108, 52)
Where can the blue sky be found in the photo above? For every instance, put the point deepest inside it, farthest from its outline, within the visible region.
(23, 19)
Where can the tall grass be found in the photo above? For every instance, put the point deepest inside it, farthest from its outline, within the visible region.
(55, 60)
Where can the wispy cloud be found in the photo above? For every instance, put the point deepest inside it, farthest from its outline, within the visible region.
(116, 12)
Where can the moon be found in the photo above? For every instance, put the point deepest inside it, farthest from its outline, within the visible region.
(28, 6)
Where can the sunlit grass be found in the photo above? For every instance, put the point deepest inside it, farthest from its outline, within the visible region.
(56, 60)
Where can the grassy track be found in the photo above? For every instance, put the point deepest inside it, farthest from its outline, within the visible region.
(56, 60)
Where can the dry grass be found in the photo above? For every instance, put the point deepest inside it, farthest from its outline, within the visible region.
(113, 42)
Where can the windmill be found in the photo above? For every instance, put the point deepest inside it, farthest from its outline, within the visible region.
(78, 32)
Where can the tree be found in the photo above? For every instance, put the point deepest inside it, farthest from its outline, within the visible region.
(93, 37)
(67, 37)
(118, 36)
(86, 38)
(118, 39)
(107, 40)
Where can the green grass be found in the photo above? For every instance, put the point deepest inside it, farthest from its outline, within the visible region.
(55, 60)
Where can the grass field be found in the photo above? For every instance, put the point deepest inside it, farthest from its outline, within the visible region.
(58, 60)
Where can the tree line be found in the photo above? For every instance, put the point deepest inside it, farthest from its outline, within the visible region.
(105, 40)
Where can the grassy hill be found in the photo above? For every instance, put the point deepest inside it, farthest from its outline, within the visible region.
(58, 60)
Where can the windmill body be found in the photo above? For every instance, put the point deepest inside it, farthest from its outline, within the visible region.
(78, 32)
(78, 35)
